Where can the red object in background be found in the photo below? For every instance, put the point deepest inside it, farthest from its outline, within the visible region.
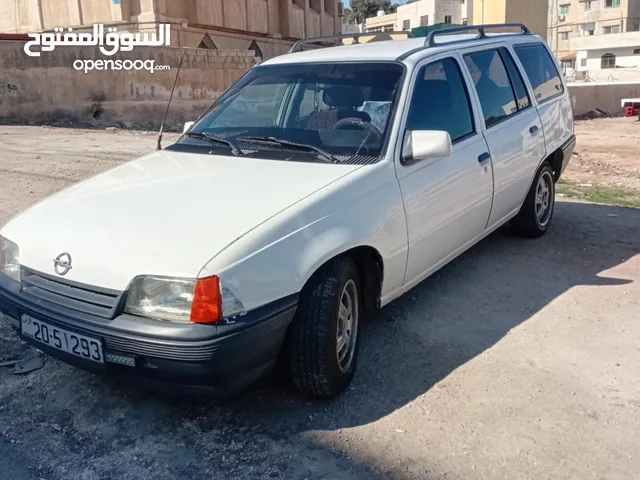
(631, 109)
(16, 37)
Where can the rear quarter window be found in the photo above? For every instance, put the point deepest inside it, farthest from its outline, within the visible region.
(541, 70)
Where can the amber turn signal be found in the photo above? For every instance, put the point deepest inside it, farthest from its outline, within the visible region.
(207, 301)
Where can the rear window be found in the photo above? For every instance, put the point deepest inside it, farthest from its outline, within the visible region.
(541, 70)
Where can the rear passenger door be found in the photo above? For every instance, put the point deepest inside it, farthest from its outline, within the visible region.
(447, 200)
(510, 123)
(549, 90)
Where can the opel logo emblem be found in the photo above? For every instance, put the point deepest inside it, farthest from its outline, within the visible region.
(62, 264)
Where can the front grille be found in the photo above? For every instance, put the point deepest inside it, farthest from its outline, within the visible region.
(81, 298)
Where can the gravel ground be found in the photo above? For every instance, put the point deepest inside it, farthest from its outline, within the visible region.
(607, 153)
(517, 361)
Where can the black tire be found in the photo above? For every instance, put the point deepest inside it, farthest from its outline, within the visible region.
(313, 352)
(528, 222)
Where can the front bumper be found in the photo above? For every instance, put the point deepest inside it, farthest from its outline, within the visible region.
(222, 358)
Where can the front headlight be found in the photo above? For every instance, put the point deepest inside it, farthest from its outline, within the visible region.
(181, 300)
(9, 259)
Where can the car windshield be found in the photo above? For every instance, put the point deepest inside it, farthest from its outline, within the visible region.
(340, 111)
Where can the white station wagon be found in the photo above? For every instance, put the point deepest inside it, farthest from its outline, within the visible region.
(322, 185)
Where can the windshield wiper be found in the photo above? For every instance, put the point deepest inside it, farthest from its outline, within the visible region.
(326, 156)
(215, 139)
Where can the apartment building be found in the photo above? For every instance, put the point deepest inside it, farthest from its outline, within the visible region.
(267, 26)
(596, 39)
(533, 13)
(421, 13)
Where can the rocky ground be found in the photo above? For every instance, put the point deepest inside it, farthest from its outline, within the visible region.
(607, 153)
(517, 361)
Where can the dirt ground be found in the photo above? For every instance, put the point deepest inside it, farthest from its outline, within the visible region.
(519, 360)
(607, 153)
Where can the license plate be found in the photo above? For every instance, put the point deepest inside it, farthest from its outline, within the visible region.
(73, 343)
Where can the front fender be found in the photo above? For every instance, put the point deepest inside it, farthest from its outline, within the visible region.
(277, 259)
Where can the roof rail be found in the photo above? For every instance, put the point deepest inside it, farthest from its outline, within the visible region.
(430, 41)
(331, 41)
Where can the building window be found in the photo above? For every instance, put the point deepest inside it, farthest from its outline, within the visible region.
(587, 5)
(564, 35)
(424, 20)
(611, 29)
(588, 29)
(406, 24)
(611, 3)
(564, 9)
(608, 60)
(447, 19)
(583, 62)
(636, 51)
(567, 64)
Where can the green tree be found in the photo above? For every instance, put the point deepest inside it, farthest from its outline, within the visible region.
(363, 9)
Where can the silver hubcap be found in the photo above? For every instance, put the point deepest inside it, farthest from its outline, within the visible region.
(347, 333)
(544, 198)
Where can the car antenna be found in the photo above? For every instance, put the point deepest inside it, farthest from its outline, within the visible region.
(166, 113)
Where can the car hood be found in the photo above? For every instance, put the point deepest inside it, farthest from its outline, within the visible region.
(167, 213)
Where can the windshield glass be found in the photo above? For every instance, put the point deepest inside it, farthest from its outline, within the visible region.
(343, 109)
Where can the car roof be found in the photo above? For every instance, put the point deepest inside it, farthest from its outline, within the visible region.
(393, 50)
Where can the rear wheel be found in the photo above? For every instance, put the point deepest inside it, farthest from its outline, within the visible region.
(536, 213)
(323, 340)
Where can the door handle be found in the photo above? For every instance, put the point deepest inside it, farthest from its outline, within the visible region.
(484, 157)
(533, 130)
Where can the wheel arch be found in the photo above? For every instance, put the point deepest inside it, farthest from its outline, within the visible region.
(555, 159)
(370, 266)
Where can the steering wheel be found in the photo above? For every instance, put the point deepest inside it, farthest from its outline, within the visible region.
(348, 122)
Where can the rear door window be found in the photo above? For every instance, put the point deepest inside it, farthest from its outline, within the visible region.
(541, 70)
(493, 86)
(516, 79)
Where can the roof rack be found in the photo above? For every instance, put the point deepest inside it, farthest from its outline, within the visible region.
(332, 41)
(430, 41)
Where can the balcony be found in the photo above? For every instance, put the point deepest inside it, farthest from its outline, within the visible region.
(606, 41)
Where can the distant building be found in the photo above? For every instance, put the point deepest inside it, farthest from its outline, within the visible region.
(421, 13)
(267, 26)
(596, 40)
(533, 13)
(352, 28)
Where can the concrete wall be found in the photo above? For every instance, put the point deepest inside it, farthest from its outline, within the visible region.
(532, 13)
(414, 11)
(453, 8)
(605, 96)
(274, 24)
(48, 88)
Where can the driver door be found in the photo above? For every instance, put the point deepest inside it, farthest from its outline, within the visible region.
(447, 200)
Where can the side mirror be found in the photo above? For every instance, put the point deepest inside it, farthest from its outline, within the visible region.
(187, 126)
(424, 144)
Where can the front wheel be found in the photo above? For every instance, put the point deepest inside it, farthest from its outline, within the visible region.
(536, 213)
(323, 340)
